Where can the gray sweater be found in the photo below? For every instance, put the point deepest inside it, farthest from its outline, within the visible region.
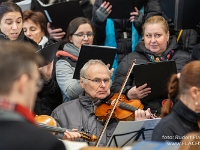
(70, 87)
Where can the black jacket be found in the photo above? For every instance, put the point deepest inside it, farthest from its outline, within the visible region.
(21, 38)
(17, 133)
(178, 123)
(50, 96)
(180, 57)
(196, 52)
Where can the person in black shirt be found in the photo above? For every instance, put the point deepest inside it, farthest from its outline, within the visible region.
(186, 112)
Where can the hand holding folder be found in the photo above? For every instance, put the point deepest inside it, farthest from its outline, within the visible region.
(56, 34)
(60, 14)
(121, 9)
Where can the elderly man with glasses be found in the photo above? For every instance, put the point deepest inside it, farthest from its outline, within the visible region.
(95, 79)
(79, 114)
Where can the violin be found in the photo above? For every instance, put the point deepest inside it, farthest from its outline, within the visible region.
(111, 112)
(124, 110)
(48, 123)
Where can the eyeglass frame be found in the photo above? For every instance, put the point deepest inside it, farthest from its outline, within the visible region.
(82, 34)
(99, 80)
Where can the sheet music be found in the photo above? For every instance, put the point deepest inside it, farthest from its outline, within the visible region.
(127, 132)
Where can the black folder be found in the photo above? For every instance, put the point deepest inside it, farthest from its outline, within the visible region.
(48, 53)
(187, 14)
(87, 52)
(123, 8)
(60, 14)
(156, 75)
(168, 7)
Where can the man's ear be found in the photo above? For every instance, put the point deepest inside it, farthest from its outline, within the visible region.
(82, 83)
(70, 39)
(22, 82)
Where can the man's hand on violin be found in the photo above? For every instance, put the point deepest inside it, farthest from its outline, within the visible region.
(142, 114)
(71, 136)
(138, 93)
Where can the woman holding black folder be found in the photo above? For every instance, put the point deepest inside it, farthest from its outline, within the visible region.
(156, 47)
(35, 28)
(80, 31)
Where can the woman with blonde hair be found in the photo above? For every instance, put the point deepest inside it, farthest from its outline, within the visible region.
(156, 46)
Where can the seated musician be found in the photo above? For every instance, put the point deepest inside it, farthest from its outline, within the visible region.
(95, 79)
(156, 46)
(20, 82)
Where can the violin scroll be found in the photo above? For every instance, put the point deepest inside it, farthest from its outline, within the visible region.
(91, 138)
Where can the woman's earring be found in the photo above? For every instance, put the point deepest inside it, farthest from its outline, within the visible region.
(196, 103)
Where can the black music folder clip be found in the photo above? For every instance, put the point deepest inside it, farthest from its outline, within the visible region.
(49, 53)
(128, 132)
(60, 14)
(156, 75)
(87, 52)
(123, 8)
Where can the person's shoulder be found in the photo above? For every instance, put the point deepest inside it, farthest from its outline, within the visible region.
(66, 105)
(196, 48)
(29, 136)
(168, 121)
(181, 53)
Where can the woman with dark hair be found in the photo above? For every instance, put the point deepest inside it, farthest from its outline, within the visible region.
(11, 23)
(35, 28)
(80, 31)
(185, 113)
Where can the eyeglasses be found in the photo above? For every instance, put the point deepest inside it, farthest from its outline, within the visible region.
(82, 35)
(99, 81)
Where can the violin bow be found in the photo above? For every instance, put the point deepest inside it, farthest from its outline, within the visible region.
(115, 103)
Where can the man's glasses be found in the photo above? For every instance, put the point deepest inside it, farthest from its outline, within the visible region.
(99, 81)
(82, 35)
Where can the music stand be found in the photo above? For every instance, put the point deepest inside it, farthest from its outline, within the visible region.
(128, 132)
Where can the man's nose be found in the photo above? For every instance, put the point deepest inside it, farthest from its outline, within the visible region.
(103, 83)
